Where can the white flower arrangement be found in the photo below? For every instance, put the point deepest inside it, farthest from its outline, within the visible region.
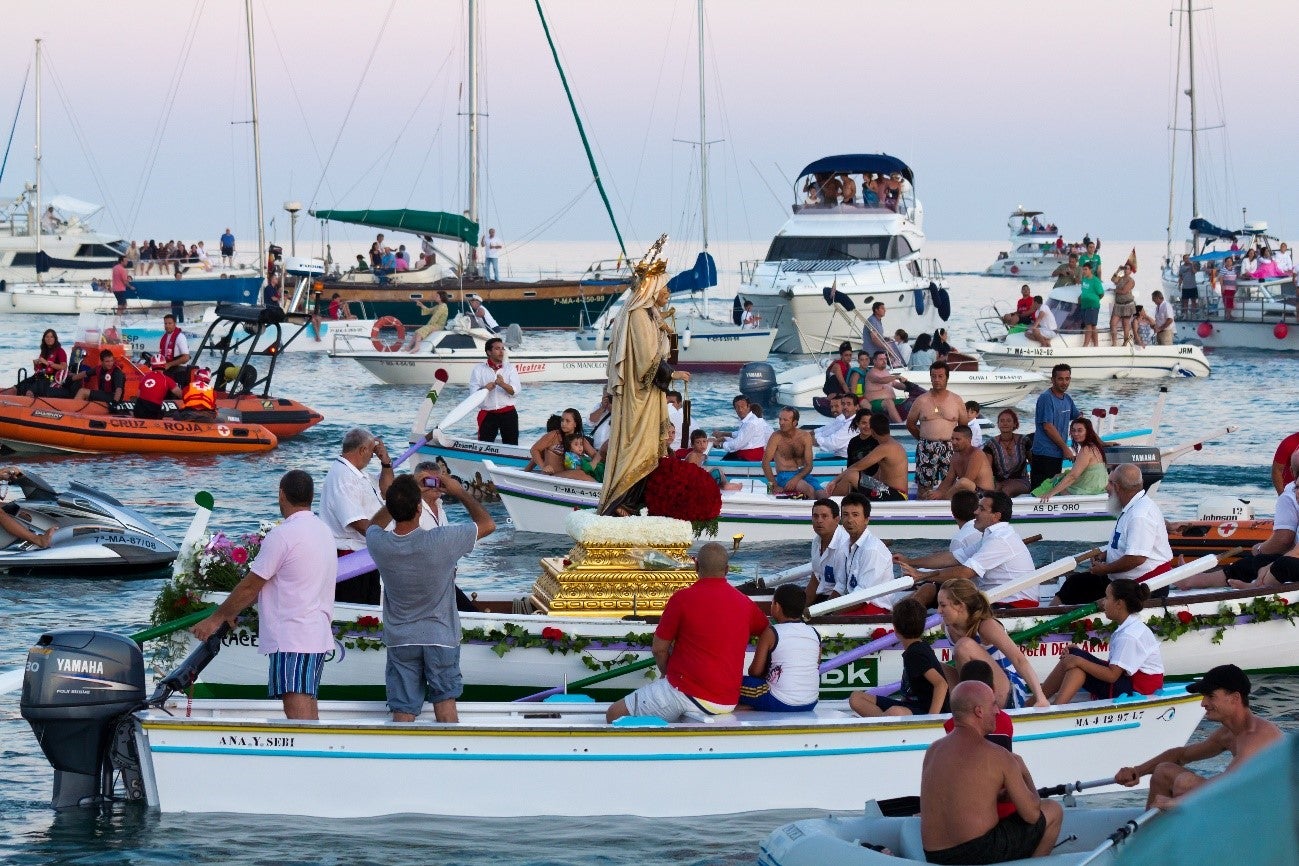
(587, 527)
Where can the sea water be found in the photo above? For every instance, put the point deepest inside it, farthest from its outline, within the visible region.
(1249, 389)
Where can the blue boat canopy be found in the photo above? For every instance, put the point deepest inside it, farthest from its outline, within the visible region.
(1202, 226)
(1214, 256)
(857, 163)
(702, 276)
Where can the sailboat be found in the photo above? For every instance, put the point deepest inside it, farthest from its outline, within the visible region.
(551, 303)
(53, 262)
(705, 343)
(1263, 312)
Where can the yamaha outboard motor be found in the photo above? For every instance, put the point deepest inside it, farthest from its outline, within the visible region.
(78, 686)
(758, 382)
(1146, 458)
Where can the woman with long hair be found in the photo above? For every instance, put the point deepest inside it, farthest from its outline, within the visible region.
(1008, 453)
(49, 368)
(922, 353)
(1088, 474)
(559, 452)
(1135, 663)
(977, 635)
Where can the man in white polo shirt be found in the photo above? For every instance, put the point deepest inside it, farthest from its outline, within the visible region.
(866, 561)
(829, 549)
(749, 441)
(1139, 547)
(833, 436)
(349, 499)
(999, 558)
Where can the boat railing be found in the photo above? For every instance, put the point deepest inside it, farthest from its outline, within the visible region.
(617, 270)
(991, 325)
(851, 271)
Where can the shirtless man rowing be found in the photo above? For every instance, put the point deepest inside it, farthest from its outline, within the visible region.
(960, 781)
(932, 419)
(1243, 734)
(881, 474)
(970, 468)
(791, 450)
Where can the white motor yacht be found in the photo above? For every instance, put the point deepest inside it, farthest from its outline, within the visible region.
(854, 239)
(1036, 247)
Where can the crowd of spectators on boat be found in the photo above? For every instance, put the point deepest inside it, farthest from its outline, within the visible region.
(866, 190)
(174, 257)
(1221, 280)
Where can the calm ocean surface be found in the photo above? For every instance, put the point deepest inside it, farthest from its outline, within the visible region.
(1247, 389)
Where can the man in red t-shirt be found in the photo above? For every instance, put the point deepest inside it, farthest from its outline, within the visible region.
(1281, 474)
(155, 387)
(699, 646)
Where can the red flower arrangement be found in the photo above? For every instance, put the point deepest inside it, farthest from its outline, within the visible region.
(1185, 616)
(686, 492)
(552, 633)
(879, 633)
(367, 621)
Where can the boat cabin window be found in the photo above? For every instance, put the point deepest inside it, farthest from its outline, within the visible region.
(1067, 315)
(814, 249)
(101, 251)
(456, 341)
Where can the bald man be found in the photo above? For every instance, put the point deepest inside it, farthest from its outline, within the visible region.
(963, 776)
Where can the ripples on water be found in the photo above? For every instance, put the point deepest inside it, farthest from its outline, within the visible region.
(1243, 390)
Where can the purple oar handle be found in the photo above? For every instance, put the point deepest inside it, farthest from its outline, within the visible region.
(873, 647)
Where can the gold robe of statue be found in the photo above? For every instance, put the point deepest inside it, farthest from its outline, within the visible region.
(638, 343)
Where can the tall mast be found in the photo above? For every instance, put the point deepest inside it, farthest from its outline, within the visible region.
(1190, 68)
(35, 224)
(257, 135)
(473, 110)
(703, 135)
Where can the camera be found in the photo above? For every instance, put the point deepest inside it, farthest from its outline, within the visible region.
(432, 482)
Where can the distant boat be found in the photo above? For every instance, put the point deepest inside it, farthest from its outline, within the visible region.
(1036, 249)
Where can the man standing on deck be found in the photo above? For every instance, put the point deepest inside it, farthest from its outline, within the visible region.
(699, 646)
(1164, 321)
(872, 335)
(292, 581)
(961, 780)
(227, 249)
(492, 246)
(1243, 734)
(1055, 410)
(500, 380)
(349, 498)
(421, 624)
(120, 283)
(931, 421)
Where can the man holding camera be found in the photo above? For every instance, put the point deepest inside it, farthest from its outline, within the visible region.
(421, 625)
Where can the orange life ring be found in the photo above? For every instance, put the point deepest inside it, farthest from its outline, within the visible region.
(387, 323)
(1014, 269)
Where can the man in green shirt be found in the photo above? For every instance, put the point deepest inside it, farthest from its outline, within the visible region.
(1089, 304)
(1091, 257)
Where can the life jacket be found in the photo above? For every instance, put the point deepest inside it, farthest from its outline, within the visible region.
(155, 386)
(199, 395)
(167, 344)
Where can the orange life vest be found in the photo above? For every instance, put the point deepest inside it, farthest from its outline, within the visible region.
(198, 395)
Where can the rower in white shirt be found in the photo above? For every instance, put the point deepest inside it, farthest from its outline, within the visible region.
(867, 561)
(999, 558)
(749, 441)
(834, 435)
(829, 549)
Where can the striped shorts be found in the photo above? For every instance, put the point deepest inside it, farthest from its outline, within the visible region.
(296, 673)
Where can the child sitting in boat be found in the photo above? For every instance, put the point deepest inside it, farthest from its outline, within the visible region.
(924, 687)
(698, 455)
(1135, 663)
(783, 675)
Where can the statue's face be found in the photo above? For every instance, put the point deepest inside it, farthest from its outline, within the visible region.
(661, 296)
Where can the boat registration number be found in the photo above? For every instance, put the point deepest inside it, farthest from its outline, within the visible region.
(1101, 719)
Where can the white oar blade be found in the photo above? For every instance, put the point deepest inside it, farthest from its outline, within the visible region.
(204, 501)
(789, 575)
(1171, 455)
(463, 408)
(11, 681)
(861, 596)
(1042, 575)
(1205, 563)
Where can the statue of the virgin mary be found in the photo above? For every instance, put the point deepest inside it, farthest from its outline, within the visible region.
(641, 353)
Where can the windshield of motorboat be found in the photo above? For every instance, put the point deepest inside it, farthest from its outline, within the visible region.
(1067, 316)
(101, 251)
(869, 248)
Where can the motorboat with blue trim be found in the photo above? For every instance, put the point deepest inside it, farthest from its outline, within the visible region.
(84, 694)
(854, 238)
(95, 534)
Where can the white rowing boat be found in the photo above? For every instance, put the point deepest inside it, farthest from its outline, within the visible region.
(991, 389)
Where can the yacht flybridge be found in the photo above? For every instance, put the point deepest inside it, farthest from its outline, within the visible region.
(854, 238)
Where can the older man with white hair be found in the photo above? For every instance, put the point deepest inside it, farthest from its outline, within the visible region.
(349, 499)
(1138, 549)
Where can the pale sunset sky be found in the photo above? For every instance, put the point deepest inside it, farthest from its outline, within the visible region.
(1060, 107)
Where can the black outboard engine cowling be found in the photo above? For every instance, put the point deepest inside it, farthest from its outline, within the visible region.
(758, 382)
(1146, 458)
(78, 685)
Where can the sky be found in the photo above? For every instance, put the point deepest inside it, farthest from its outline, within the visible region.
(1058, 107)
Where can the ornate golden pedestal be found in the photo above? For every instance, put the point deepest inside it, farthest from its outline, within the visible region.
(608, 580)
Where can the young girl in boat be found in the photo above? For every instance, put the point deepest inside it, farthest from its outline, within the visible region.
(559, 452)
(976, 634)
(1135, 663)
(1088, 474)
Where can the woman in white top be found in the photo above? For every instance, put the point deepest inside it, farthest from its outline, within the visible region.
(1135, 663)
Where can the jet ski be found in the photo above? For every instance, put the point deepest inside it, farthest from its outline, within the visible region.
(96, 533)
